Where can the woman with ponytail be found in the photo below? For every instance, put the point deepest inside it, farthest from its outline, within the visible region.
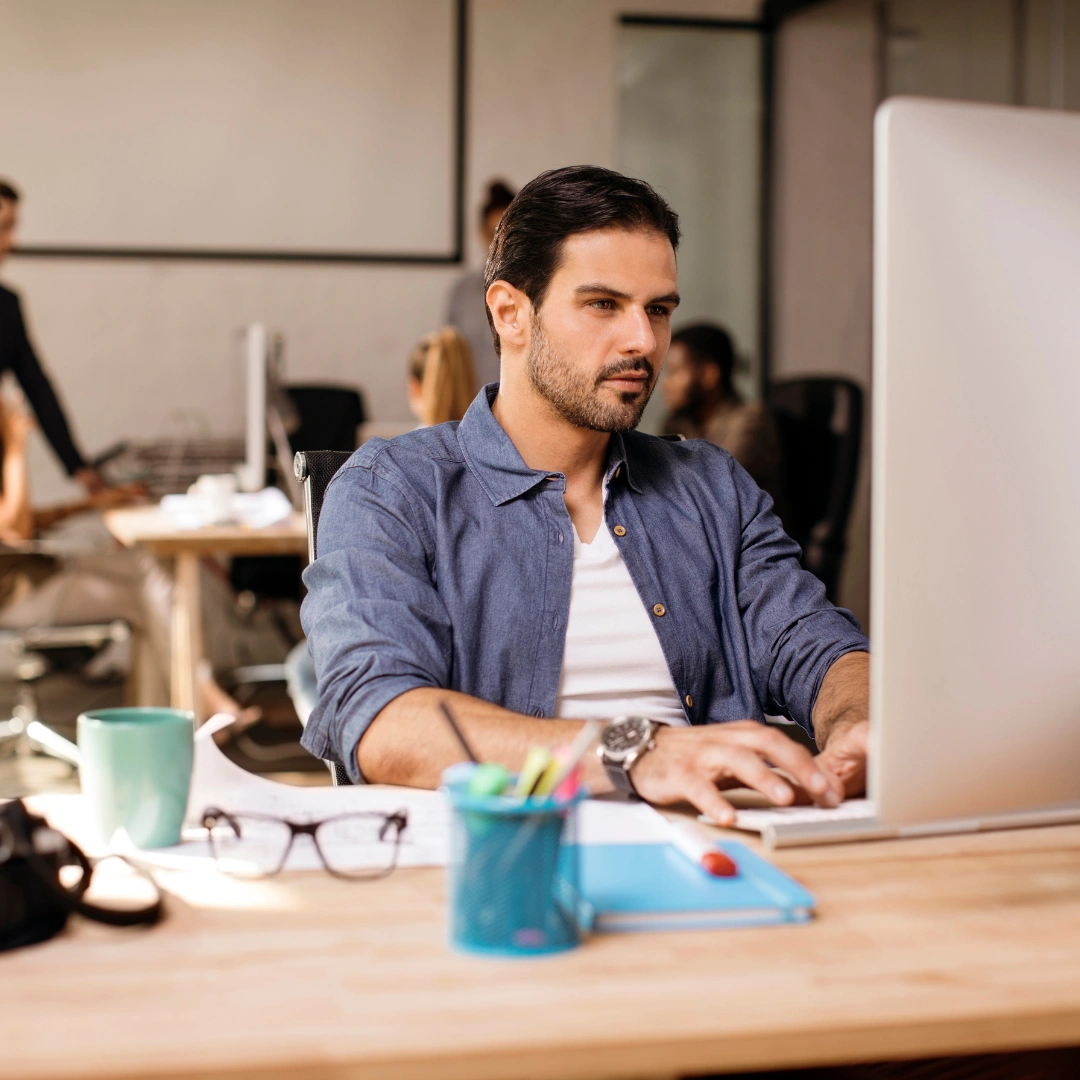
(441, 383)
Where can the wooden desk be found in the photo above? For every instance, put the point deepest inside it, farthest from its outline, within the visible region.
(148, 527)
(921, 947)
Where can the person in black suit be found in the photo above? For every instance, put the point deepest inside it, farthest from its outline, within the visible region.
(17, 355)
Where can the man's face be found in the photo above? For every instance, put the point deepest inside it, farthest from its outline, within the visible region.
(604, 327)
(8, 221)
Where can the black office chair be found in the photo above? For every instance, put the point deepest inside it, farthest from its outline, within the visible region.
(819, 421)
(329, 418)
(315, 469)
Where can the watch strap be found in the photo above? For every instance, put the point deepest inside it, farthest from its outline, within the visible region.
(620, 779)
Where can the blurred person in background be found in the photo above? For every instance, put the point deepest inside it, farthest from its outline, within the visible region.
(88, 579)
(441, 382)
(17, 355)
(94, 586)
(702, 402)
(468, 309)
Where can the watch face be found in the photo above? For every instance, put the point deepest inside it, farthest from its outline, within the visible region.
(625, 735)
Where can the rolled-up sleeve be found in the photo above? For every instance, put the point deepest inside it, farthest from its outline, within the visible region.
(375, 623)
(794, 634)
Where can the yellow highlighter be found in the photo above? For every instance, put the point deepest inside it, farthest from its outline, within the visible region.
(565, 759)
(537, 762)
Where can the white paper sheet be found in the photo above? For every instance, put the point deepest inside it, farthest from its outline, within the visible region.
(216, 781)
(602, 821)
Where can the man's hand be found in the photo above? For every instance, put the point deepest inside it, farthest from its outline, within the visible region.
(691, 764)
(841, 720)
(844, 756)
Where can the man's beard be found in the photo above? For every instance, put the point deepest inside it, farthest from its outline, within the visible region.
(578, 398)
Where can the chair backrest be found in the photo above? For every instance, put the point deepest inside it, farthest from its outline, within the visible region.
(315, 469)
(329, 417)
(819, 421)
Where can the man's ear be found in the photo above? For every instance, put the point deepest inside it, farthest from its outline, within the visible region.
(511, 311)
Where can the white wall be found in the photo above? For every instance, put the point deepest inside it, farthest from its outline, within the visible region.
(150, 348)
(827, 90)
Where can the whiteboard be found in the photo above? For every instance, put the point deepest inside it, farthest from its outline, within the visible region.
(277, 127)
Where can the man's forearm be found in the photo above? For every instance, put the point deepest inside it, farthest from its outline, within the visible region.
(410, 742)
(844, 696)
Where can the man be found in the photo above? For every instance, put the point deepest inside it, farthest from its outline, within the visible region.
(541, 562)
(703, 403)
(17, 355)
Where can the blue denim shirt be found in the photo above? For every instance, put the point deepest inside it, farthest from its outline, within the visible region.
(445, 561)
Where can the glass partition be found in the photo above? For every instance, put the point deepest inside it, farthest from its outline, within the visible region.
(690, 123)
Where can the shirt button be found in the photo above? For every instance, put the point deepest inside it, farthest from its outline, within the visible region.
(619, 530)
(689, 702)
(560, 538)
(539, 713)
(659, 610)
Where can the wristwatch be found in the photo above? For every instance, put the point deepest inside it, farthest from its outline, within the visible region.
(622, 742)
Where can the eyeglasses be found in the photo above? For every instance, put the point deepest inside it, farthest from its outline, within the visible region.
(359, 846)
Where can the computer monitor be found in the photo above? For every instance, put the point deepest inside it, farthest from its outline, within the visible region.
(975, 624)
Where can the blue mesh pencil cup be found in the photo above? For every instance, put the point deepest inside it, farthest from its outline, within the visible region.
(512, 878)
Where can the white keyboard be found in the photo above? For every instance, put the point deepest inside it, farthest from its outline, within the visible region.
(757, 820)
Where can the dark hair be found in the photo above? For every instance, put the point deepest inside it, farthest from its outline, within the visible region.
(499, 196)
(8, 191)
(562, 202)
(710, 344)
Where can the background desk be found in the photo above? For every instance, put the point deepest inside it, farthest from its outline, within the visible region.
(148, 527)
(921, 947)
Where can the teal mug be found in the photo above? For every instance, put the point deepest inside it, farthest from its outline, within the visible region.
(136, 772)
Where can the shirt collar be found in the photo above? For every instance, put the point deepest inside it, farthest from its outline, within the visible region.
(495, 460)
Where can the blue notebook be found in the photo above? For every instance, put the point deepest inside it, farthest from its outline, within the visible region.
(656, 887)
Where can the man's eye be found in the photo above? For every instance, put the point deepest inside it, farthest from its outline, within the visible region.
(659, 312)
(603, 305)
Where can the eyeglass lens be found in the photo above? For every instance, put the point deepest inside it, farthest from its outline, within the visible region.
(359, 846)
(249, 846)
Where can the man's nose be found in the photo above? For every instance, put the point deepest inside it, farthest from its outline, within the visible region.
(637, 337)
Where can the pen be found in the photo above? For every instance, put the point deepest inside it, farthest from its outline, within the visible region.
(701, 851)
(458, 733)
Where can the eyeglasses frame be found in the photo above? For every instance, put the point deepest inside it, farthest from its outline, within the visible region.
(398, 820)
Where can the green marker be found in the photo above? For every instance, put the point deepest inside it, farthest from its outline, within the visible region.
(489, 778)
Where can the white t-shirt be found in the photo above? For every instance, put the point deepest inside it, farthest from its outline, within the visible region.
(612, 661)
